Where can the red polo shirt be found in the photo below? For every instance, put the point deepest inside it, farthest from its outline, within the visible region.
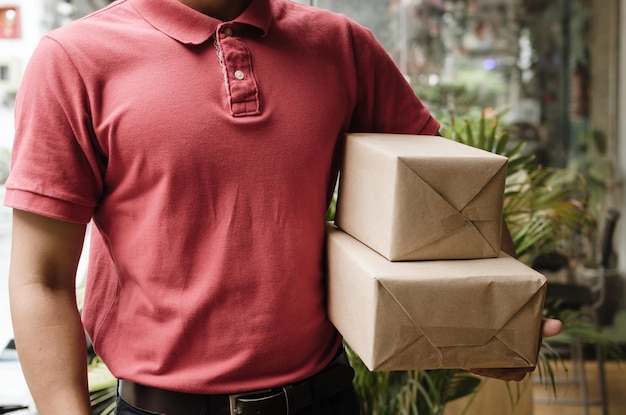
(203, 151)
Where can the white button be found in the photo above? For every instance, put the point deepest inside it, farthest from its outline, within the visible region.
(239, 75)
(228, 32)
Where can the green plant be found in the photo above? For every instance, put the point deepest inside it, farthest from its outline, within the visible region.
(594, 165)
(410, 392)
(102, 388)
(544, 208)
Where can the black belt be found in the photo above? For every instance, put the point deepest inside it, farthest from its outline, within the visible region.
(289, 399)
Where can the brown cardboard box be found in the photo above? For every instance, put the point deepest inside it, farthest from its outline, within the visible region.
(481, 313)
(421, 197)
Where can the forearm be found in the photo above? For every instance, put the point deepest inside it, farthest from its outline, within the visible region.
(51, 346)
(49, 336)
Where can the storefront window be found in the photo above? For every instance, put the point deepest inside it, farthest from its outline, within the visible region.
(528, 60)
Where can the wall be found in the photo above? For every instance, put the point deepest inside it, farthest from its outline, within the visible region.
(603, 67)
(608, 80)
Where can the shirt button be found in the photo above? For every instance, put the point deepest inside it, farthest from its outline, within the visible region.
(228, 32)
(239, 75)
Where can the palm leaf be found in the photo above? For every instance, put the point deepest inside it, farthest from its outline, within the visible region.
(460, 384)
(415, 392)
(102, 388)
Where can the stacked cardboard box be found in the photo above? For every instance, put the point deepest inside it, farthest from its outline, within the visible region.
(416, 276)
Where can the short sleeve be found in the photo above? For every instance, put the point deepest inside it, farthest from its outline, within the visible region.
(386, 102)
(56, 169)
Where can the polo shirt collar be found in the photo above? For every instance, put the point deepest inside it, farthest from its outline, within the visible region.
(190, 26)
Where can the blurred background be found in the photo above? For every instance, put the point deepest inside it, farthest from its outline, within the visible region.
(555, 70)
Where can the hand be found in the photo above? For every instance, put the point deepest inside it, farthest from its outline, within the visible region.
(549, 327)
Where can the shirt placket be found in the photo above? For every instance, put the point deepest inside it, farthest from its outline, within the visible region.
(239, 79)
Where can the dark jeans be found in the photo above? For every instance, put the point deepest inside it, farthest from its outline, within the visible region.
(343, 403)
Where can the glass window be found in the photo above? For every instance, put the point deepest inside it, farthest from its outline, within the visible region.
(528, 60)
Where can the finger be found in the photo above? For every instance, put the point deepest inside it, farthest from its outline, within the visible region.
(507, 374)
(500, 376)
(551, 327)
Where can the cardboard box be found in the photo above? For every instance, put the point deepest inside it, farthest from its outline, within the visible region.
(421, 197)
(483, 313)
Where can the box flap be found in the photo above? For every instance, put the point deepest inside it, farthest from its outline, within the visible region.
(472, 212)
(421, 197)
(433, 314)
(459, 323)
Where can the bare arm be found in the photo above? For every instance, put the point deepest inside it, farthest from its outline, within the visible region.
(48, 332)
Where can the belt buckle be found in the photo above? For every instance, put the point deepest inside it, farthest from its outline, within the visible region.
(232, 399)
